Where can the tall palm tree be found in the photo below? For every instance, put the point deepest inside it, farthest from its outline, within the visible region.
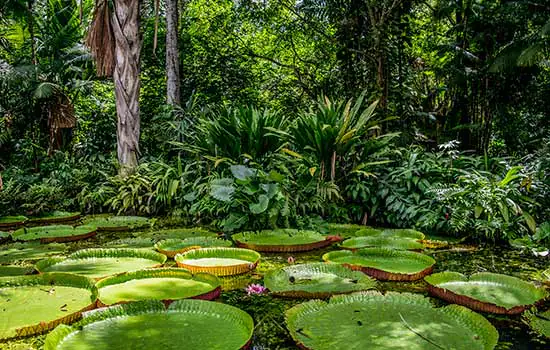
(115, 43)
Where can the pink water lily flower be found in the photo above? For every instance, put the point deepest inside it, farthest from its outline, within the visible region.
(255, 289)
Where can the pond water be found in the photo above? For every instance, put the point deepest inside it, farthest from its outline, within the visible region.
(268, 312)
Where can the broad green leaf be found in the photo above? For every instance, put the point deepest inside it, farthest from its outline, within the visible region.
(243, 172)
(261, 206)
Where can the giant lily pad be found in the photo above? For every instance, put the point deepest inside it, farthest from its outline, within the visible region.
(164, 284)
(15, 270)
(99, 263)
(316, 280)
(12, 221)
(282, 240)
(186, 324)
(381, 241)
(485, 291)
(118, 223)
(179, 233)
(539, 322)
(384, 264)
(171, 247)
(55, 217)
(219, 261)
(54, 233)
(35, 304)
(344, 230)
(370, 320)
(139, 243)
(29, 251)
(393, 233)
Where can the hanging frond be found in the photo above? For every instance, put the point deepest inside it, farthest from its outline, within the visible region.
(101, 39)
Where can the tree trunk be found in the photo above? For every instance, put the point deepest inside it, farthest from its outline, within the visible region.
(172, 53)
(31, 31)
(127, 82)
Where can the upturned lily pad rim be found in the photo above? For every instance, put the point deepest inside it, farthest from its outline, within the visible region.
(246, 240)
(437, 279)
(189, 244)
(78, 233)
(55, 217)
(163, 273)
(118, 223)
(232, 314)
(103, 253)
(398, 243)
(380, 274)
(220, 252)
(46, 279)
(479, 325)
(364, 282)
(12, 221)
(390, 232)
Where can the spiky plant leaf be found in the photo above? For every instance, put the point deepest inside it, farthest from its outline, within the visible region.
(370, 320)
(193, 324)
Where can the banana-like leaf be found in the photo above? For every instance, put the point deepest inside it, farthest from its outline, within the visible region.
(384, 264)
(219, 261)
(35, 304)
(382, 241)
(118, 223)
(485, 291)
(171, 247)
(281, 240)
(539, 322)
(100, 263)
(165, 284)
(55, 217)
(370, 320)
(54, 233)
(12, 221)
(186, 324)
(316, 280)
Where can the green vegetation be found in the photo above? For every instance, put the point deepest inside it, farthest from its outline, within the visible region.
(54, 233)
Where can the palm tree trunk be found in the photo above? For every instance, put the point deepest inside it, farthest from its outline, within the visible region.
(125, 22)
(172, 53)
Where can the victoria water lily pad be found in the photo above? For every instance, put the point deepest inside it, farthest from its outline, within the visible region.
(164, 284)
(219, 261)
(143, 243)
(384, 264)
(15, 270)
(316, 280)
(539, 322)
(54, 233)
(99, 263)
(370, 320)
(282, 240)
(12, 221)
(118, 223)
(178, 233)
(29, 251)
(485, 291)
(171, 247)
(344, 230)
(55, 217)
(35, 304)
(393, 233)
(186, 324)
(381, 241)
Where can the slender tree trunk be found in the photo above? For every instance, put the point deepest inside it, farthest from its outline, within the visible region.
(172, 53)
(31, 31)
(127, 82)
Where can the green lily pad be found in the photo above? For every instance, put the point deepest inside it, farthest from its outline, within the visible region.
(485, 291)
(344, 230)
(100, 263)
(370, 320)
(381, 241)
(171, 247)
(138, 243)
(164, 284)
(384, 264)
(15, 270)
(35, 304)
(12, 221)
(392, 233)
(178, 233)
(219, 261)
(29, 251)
(186, 324)
(316, 280)
(281, 240)
(4, 236)
(55, 217)
(539, 322)
(118, 223)
(54, 233)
